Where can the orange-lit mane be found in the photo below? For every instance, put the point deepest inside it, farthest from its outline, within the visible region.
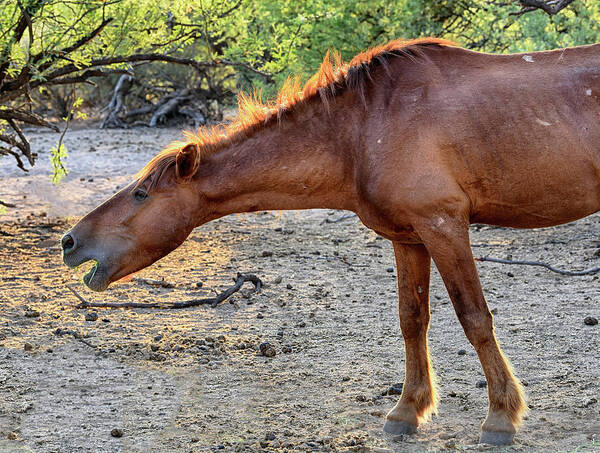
(254, 114)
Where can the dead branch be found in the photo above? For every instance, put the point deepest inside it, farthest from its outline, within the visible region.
(169, 107)
(592, 270)
(117, 102)
(339, 219)
(7, 205)
(26, 117)
(212, 301)
(550, 7)
(60, 332)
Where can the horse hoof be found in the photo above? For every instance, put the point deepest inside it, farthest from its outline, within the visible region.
(496, 438)
(396, 428)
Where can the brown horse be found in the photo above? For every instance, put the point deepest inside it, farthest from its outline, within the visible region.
(420, 139)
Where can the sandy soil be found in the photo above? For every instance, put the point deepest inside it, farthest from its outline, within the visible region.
(192, 380)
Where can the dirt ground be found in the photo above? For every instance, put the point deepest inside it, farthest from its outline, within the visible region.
(192, 380)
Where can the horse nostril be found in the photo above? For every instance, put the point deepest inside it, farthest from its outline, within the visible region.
(68, 243)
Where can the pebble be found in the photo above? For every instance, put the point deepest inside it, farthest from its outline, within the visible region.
(267, 349)
(288, 286)
(394, 389)
(270, 436)
(28, 347)
(462, 352)
(267, 253)
(286, 349)
(381, 450)
(590, 321)
(481, 384)
(260, 316)
(32, 314)
(390, 269)
(160, 337)
(12, 436)
(91, 316)
(116, 432)
(278, 280)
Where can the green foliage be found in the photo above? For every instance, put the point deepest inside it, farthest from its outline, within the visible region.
(58, 155)
(234, 38)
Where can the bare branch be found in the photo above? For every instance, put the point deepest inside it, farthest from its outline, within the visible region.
(592, 270)
(550, 7)
(212, 301)
(26, 117)
(25, 148)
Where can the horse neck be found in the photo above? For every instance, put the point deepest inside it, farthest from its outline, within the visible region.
(302, 162)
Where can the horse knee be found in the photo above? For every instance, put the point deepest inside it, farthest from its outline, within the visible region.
(414, 321)
(478, 326)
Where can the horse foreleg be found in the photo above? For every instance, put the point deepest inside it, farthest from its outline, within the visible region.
(418, 398)
(447, 240)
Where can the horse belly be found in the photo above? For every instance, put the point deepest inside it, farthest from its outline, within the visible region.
(539, 197)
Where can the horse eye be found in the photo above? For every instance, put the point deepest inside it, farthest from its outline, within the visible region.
(140, 194)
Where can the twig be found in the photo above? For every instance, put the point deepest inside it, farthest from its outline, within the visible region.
(7, 205)
(83, 301)
(592, 270)
(153, 282)
(339, 219)
(212, 301)
(74, 334)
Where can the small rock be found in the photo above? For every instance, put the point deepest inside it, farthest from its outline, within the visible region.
(494, 311)
(267, 253)
(394, 389)
(28, 347)
(288, 286)
(462, 352)
(154, 347)
(270, 436)
(91, 316)
(116, 432)
(267, 349)
(278, 280)
(32, 314)
(260, 316)
(157, 357)
(390, 269)
(381, 450)
(481, 384)
(590, 321)
(12, 436)
(286, 349)
(510, 274)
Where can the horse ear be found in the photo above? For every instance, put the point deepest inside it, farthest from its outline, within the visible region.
(187, 162)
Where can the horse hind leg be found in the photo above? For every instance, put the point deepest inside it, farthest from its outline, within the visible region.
(418, 400)
(448, 243)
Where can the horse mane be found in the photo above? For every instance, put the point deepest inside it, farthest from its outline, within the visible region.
(254, 114)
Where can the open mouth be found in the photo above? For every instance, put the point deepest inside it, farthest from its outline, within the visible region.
(96, 278)
(87, 278)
